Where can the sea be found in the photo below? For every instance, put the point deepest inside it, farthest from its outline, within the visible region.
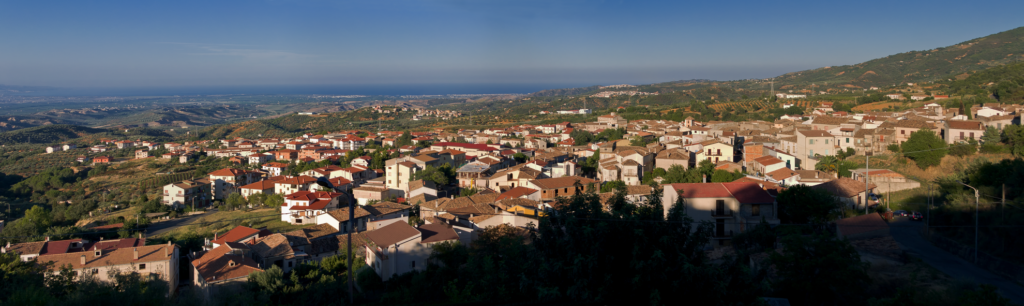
(366, 90)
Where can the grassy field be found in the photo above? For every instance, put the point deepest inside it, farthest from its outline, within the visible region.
(222, 221)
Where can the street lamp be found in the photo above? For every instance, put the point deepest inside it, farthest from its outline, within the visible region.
(977, 198)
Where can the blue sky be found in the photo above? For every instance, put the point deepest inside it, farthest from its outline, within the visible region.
(144, 43)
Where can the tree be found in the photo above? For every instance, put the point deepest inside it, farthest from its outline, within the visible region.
(439, 175)
(274, 200)
(235, 201)
(722, 176)
(465, 192)
(827, 163)
(404, 140)
(638, 141)
(1013, 135)
(819, 270)
(582, 137)
(925, 148)
(38, 216)
(257, 200)
(589, 165)
(519, 157)
(962, 149)
(800, 204)
(611, 186)
(990, 141)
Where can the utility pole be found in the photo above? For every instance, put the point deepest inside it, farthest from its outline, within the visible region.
(867, 175)
(977, 200)
(1002, 205)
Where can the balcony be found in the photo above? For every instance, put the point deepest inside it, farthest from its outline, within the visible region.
(721, 213)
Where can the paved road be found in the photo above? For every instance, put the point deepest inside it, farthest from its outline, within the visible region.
(908, 234)
(166, 226)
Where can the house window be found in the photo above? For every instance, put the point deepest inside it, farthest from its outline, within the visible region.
(972, 135)
(755, 210)
(142, 266)
(95, 271)
(826, 141)
(811, 153)
(810, 141)
(903, 132)
(847, 139)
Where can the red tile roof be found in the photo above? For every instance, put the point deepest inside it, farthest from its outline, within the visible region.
(516, 192)
(220, 265)
(745, 192)
(482, 147)
(965, 125)
(236, 234)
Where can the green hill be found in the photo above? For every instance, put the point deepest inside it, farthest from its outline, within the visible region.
(1004, 83)
(919, 66)
(47, 134)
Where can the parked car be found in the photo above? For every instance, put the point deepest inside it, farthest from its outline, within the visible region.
(916, 216)
(899, 213)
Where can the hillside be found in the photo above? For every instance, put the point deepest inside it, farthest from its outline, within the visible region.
(919, 66)
(1003, 83)
(47, 134)
(565, 91)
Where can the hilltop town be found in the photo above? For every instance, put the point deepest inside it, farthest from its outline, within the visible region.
(438, 186)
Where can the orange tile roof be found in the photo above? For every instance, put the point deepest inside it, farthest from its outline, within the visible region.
(228, 172)
(261, 185)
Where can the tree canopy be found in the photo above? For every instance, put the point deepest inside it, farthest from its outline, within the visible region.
(925, 148)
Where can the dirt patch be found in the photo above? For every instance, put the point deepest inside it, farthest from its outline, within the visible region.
(885, 247)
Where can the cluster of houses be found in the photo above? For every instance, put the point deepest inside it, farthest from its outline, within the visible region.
(512, 190)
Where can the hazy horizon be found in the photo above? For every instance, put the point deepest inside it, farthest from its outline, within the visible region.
(128, 44)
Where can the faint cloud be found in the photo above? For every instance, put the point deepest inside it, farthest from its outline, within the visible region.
(241, 51)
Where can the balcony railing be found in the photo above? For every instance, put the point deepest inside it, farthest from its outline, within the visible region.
(721, 213)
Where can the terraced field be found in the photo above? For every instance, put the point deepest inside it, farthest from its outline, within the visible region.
(876, 106)
(754, 105)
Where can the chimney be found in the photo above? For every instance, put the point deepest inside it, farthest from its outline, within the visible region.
(167, 251)
(83, 259)
(97, 252)
(101, 238)
(47, 238)
(214, 236)
(135, 253)
(705, 178)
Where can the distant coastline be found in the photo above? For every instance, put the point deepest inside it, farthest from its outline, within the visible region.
(369, 90)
